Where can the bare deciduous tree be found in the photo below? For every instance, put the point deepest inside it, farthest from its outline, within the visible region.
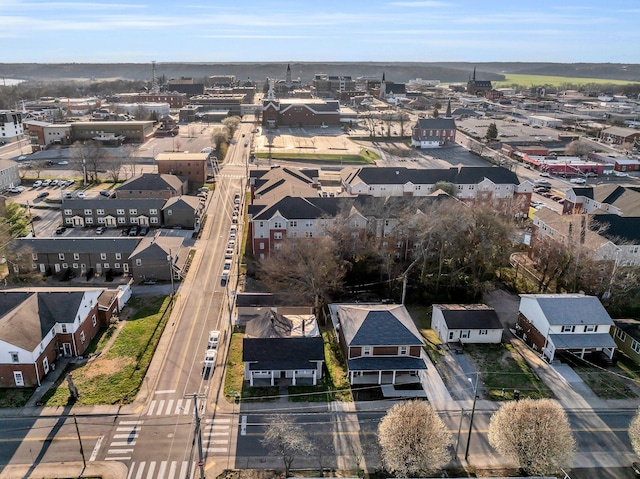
(307, 268)
(578, 148)
(286, 439)
(535, 433)
(413, 439)
(232, 123)
(114, 168)
(89, 157)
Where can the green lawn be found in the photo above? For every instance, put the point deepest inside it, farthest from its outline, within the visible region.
(608, 383)
(15, 397)
(115, 376)
(366, 156)
(503, 369)
(539, 80)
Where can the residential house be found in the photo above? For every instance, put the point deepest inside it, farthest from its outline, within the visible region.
(152, 185)
(466, 323)
(607, 198)
(619, 135)
(159, 257)
(112, 213)
(283, 349)
(380, 343)
(278, 182)
(569, 323)
(183, 211)
(626, 334)
(40, 325)
(192, 166)
(433, 132)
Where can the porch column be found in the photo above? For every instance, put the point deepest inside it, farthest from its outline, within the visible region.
(293, 378)
(315, 379)
(582, 353)
(350, 377)
(611, 350)
(380, 377)
(393, 380)
(251, 378)
(272, 377)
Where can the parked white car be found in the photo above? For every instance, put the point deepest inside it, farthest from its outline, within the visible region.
(209, 361)
(214, 337)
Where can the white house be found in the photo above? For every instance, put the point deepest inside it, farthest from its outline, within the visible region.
(574, 323)
(466, 323)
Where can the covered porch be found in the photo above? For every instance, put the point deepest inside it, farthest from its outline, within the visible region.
(385, 370)
(579, 344)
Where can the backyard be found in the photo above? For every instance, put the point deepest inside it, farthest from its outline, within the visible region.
(118, 357)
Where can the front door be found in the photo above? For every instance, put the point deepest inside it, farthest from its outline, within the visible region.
(66, 347)
(43, 268)
(45, 365)
(18, 378)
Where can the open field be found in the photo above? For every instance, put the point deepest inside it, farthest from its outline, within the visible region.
(533, 80)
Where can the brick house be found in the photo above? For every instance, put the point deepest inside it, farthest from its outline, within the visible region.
(37, 326)
(380, 343)
(300, 112)
(433, 132)
(192, 166)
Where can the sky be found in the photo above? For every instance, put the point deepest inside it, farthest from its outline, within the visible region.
(106, 31)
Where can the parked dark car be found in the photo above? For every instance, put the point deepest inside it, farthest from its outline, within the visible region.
(125, 232)
(144, 230)
(134, 231)
(106, 193)
(44, 194)
(60, 230)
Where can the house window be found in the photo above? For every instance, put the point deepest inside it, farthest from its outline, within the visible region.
(118, 255)
(61, 256)
(99, 212)
(590, 328)
(82, 337)
(277, 224)
(169, 212)
(277, 246)
(483, 332)
(88, 220)
(366, 351)
(76, 256)
(568, 328)
(121, 220)
(138, 262)
(15, 358)
(133, 211)
(94, 320)
(65, 266)
(464, 334)
(635, 345)
(153, 220)
(621, 335)
(293, 224)
(103, 256)
(277, 235)
(404, 350)
(153, 211)
(75, 265)
(451, 335)
(105, 266)
(88, 212)
(116, 265)
(68, 212)
(120, 211)
(261, 245)
(34, 256)
(308, 234)
(64, 329)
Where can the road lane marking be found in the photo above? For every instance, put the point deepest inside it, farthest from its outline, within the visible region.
(215, 449)
(131, 470)
(129, 429)
(130, 422)
(243, 426)
(125, 443)
(169, 406)
(125, 436)
(165, 391)
(183, 469)
(121, 458)
(162, 470)
(118, 451)
(218, 441)
(172, 469)
(96, 448)
(160, 407)
(219, 419)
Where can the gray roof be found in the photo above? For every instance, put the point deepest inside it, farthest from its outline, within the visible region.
(439, 123)
(393, 363)
(462, 176)
(254, 299)
(567, 309)
(102, 202)
(158, 247)
(377, 325)
(617, 228)
(28, 317)
(469, 317)
(79, 245)
(282, 353)
(585, 340)
(190, 203)
(152, 181)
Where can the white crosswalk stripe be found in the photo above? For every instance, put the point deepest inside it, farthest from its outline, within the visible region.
(165, 470)
(169, 407)
(215, 434)
(118, 449)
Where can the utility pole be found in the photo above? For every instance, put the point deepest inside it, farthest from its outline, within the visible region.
(84, 462)
(196, 433)
(473, 410)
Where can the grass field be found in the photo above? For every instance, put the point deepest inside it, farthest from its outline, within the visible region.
(539, 80)
(366, 156)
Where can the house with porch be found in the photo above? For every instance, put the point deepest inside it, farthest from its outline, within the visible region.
(283, 347)
(626, 334)
(112, 213)
(570, 323)
(380, 342)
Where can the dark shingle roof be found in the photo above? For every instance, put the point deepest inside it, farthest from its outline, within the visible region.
(470, 318)
(616, 228)
(629, 326)
(254, 299)
(463, 175)
(293, 208)
(282, 353)
(585, 191)
(102, 202)
(439, 123)
(474, 175)
(28, 317)
(152, 181)
(79, 245)
(383, 328)
(561, 309)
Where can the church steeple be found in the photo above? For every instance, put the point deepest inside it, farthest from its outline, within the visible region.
(474, 74)
(383, 80)
(448, 112)
(271, 94)
(288, 77)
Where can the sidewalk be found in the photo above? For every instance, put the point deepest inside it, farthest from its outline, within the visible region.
(103, 469)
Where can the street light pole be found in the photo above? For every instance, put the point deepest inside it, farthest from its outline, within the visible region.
(170, 260)
(459, 430)
(473, 410)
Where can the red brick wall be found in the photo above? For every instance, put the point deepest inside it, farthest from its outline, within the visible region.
(194, 170)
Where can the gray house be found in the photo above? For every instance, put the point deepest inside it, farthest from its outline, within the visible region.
(185, 211)
(112, 213)
(158, 257)
(153, 185)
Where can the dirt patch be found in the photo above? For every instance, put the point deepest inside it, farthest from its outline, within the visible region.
(102, 365)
